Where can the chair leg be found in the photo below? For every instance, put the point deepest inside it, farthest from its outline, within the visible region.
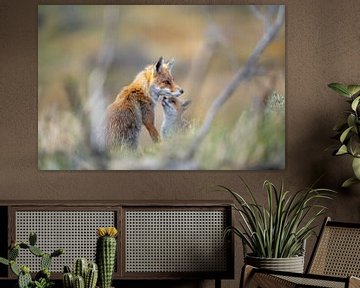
(354, 282)
(217, 283)
(246, 273)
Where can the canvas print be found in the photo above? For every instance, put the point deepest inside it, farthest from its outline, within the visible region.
(161, 87)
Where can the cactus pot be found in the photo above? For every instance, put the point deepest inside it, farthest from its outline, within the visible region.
(291, 264)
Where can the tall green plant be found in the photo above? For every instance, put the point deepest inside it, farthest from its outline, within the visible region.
(106, 254)
(279, 229)
(348, 132)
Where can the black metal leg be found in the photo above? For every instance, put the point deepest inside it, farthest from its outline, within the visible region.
(217, 283)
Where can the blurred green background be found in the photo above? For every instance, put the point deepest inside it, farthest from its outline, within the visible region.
(209, 44)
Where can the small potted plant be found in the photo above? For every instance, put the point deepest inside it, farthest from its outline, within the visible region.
(275, 233)
(348, 132)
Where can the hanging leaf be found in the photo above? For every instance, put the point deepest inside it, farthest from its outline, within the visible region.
(351, 120)
(342, 150)
(356, 167)
(355, 103)
(349, 182)
(340, 88)
(348, 133)
(354, 143)
(345, 134)
(353, 89)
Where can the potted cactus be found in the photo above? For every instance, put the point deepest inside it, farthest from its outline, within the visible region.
(84, 275)
(42, 278)
(106, 254)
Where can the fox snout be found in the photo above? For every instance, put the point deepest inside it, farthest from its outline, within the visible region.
(177, 92)
(169, 88)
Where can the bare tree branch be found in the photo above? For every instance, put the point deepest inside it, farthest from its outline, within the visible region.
(244, 73)
(214, 40)
(264, 17)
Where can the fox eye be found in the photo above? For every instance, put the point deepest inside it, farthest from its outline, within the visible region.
(167, 82)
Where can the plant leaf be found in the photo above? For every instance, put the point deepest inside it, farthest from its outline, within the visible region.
(349, 182)
(356, 167)
(355, 103)
(351, 120)
(353, 89)
(354, 143)
(345, 134)
(342, 150)
(340, 88)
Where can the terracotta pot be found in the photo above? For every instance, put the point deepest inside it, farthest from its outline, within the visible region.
(291, 264)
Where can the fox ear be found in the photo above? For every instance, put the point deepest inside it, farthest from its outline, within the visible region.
(186, 104)
(158, 65)
(171, 64)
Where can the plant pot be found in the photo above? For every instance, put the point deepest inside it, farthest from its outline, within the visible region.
(291, 264)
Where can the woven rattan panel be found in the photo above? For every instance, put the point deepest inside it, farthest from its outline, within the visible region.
(312, 282)
(175, 241)
(338, 253)
(75, 231)
(268, 280)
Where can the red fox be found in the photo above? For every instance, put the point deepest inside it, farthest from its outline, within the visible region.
(134, 105)
(173, 120)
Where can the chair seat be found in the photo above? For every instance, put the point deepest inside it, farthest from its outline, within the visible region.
(267, 279)
(316, 281)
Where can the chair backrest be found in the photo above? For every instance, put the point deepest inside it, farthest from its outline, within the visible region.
(337, 251)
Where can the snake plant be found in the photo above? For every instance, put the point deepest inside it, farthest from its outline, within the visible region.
(279, 228)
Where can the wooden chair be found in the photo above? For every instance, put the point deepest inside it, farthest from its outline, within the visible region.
(335, 262)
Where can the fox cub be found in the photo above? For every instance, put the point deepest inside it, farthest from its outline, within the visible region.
(173, 120)
(134, 105)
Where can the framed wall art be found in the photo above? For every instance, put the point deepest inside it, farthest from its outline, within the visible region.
(161, 87)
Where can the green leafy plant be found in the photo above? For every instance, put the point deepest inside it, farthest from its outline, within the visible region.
(348, 132)
(279, 229)
(42, 278)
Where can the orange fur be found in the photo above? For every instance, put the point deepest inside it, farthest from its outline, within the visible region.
(134, 106)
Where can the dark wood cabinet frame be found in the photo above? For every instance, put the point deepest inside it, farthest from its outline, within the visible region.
(8, 210)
